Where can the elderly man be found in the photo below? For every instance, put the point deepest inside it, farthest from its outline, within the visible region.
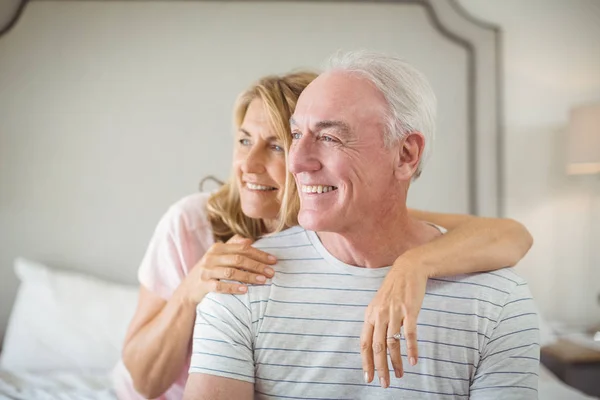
(360, 133)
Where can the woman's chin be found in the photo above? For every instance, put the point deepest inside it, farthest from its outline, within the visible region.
(258, 211)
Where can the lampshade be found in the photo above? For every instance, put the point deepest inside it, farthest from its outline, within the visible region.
(583, 144)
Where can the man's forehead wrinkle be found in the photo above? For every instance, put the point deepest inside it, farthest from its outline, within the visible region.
(329, 103)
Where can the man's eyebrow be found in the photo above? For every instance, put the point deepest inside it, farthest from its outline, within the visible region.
(340, 125)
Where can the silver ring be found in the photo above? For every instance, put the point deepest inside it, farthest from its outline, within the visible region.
(396, 336)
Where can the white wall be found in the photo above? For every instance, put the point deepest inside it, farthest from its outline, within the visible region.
(551, 62)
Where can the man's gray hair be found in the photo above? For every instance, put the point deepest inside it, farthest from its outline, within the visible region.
(411, 101)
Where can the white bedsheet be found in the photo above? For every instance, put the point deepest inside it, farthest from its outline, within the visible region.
(55, 386)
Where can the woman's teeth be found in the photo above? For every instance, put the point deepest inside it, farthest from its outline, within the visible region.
(253, 186)
(317, 189)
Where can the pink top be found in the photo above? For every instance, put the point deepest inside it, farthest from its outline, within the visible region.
(181, 238)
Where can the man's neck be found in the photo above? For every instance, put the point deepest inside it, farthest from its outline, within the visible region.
(376, 243)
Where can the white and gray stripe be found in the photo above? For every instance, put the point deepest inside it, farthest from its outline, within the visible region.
(297, 337)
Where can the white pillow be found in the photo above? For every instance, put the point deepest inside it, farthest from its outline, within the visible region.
(66, 320)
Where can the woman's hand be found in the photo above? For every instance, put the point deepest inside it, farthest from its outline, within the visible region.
(396, 304)
(235, 260)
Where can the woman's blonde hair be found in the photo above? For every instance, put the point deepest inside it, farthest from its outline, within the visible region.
(279, 95)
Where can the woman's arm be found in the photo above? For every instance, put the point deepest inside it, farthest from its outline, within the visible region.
(159, 336)
(157, 341)
(472, 244)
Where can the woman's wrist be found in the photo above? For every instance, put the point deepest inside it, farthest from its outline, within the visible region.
(417, 260)
(184, 299)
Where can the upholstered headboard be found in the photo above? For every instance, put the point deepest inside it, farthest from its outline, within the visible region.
(110, 111)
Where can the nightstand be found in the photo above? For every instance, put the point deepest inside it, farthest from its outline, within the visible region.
(576, 365)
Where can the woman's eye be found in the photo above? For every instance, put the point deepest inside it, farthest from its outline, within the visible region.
(277, 148)
(245, 142)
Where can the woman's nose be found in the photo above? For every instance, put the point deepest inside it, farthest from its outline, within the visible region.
(254, 162)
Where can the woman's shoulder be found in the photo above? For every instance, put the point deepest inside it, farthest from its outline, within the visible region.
(189, 212)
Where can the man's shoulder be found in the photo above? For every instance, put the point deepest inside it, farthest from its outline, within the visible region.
(293, 248)
(494, 286)
(505, 278)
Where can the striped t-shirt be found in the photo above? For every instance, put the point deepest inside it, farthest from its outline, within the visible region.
(297, 336)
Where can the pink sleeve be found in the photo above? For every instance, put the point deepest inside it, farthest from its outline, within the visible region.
(180, 240)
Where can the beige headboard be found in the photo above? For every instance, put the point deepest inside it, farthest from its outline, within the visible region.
(112, 110)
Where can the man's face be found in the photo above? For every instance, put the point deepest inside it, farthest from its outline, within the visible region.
(342, 168)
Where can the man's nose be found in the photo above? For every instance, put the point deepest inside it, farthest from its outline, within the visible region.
(303, 156)
(254, 162)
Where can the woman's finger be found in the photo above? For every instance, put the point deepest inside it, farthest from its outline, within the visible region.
(410, 334)
(235, 274)
(366, 351)
(218, 286)
(380, 352)
(240, 261)
(393, 345)
(247, 250)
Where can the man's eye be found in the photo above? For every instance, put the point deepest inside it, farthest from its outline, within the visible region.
(326, 138)
(244, 142)
(296, 135)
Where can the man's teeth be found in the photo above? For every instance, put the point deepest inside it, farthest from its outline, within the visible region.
(253, 186)
(317, 189)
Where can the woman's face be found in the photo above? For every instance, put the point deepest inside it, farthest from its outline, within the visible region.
(259, 164)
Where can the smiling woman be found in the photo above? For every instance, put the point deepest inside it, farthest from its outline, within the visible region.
(261, 116)
(259, 165)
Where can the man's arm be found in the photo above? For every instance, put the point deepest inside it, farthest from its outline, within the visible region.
(211, 387)
(222, 363)
(509, 363)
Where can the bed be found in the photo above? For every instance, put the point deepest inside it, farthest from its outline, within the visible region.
(157, 80)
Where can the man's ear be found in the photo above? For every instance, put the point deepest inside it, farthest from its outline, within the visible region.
(410, 151)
